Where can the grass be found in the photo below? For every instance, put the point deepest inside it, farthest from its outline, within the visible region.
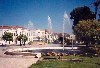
(64, 57)
(87, 63)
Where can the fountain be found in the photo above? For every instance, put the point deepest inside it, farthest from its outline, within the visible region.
(30, 25)
(65, 20)
(54, 50)
(49, 24)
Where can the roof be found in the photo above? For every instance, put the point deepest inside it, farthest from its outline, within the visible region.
(48, 31)
(9, 27)
(38, 29)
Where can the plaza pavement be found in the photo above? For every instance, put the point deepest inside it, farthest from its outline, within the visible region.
(9, 61)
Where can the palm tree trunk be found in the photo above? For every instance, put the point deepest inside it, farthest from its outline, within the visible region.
(9, 42)
(20, 43)
(24, 43)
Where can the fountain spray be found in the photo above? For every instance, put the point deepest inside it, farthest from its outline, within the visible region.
(49, 24)
(65, 19)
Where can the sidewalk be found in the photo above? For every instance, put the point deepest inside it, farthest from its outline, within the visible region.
(17, 62)
(9, 61)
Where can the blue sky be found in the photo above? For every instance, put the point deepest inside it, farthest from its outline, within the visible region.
(21, 12)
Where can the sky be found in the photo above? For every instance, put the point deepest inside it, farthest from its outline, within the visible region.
(34, 13)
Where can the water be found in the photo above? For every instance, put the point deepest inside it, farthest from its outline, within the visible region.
(66, 20)
(81, 50)
(30, 25)
(49, 24)
(67, 51)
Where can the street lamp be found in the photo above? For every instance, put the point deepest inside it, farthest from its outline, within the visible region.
(63, 34)
(72, 44)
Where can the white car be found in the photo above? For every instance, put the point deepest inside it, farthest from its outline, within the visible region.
(2, 43)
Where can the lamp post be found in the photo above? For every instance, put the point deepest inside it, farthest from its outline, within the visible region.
(72, 44)
(63, 35)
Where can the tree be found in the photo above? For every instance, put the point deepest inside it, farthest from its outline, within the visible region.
(99, 17)
(65, 40)
(22, 38)
(86, 31)
(81, 13)
(97, 33)
(7, 36)
(60, 39)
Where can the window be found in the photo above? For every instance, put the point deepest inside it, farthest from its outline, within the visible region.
(20, 33)
(29, 39)
(27, 34)
(48, 36)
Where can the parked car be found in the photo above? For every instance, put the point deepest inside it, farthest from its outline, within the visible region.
(2, 43)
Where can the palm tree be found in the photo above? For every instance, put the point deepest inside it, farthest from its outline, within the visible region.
(22, 38)
(7, 36)
(25, 39)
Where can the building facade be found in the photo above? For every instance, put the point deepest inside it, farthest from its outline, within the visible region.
(32, 35)
(16, 31)
(44, 35)
(38, 35)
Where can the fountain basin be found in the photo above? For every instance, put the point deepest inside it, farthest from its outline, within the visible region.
(36, 51)
(37, 48)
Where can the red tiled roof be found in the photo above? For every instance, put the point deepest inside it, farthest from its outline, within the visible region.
(38, 29)
(9, 27)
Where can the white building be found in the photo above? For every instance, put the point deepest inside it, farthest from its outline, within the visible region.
(16, 31)
(38, 34)
(33, 35)
(44, 35)
(50, 36)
